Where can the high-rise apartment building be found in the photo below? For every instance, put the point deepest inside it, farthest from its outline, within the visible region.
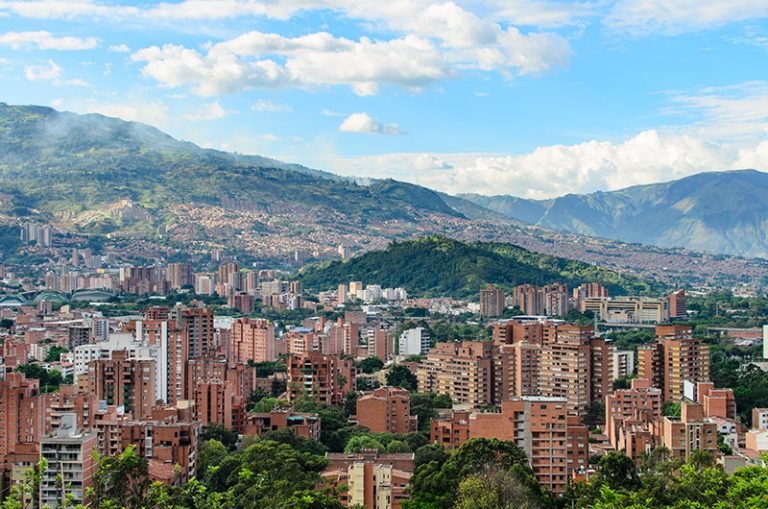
(324, 378)
(252, 340)
(675, 356)
(491, 302)
(463, 371)
(125, 382)
(70, 464)
(386, 410)
(414, 341)
(179, 275)
(555, 446)
(197, 324)
(640, 404)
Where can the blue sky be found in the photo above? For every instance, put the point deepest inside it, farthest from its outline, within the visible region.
(523, 97)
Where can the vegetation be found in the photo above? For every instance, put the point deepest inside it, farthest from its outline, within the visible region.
(439, 266)
(53, 162)
(49, 380)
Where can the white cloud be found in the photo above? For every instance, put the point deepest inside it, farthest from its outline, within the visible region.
(736, 112)
(650, 156)
(547, 14)
(46, 41)
(57, 103)
(210, 111)
(258, 59)
(262, 105)
(119, 48)
(270, 137)
(671, 17)
(364, 123)
(330, 113)
(50, 72)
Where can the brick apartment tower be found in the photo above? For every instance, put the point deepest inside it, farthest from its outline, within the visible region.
(491, 302)
(675, 356)
(252, 340)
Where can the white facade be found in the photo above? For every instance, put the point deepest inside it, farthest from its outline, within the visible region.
(414, 342)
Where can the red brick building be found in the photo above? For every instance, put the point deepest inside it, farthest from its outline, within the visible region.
(386, 410)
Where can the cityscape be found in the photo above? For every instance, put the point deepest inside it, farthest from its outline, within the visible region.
(359, 254)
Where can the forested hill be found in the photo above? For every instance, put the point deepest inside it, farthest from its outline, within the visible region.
(440, 266)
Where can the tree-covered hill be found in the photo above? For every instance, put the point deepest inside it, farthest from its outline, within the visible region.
(440, 266)
(63, 164)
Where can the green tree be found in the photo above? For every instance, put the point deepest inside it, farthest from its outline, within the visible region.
(370, 365)
(401, 376)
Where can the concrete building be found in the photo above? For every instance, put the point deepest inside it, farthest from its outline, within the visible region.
(374, 480)
(414, 341)
(623, 364)
(760, 418)
(68, 452)
(386, 410)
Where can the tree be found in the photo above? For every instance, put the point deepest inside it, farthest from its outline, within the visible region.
(512, 488)
(435, 483)
(54, 353)
(617, 471)
(370, 365)
(122, 480)
(211, 454)
(220, 433)
(595, 413)
(360, 442)
(401, 376)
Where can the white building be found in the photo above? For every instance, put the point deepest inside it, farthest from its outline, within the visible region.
(414, 342)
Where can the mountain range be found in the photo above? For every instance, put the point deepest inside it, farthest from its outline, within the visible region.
(718, 212)
(101, 177)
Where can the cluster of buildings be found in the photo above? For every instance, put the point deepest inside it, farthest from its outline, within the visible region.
(153, 381)
(556, 300)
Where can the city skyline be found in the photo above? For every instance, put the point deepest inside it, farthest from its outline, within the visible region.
(529, 98)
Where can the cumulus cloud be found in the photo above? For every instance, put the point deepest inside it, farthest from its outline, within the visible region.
(207, 112)
(649, 16)
(46, 41)
(650, 156)
(365, 124)
(258, 59)
(119, 48)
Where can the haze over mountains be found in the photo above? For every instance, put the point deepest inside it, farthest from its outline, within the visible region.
(718, 212)
(95, 175)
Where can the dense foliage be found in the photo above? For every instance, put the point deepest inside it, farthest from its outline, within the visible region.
(57, 162)
(438, 266)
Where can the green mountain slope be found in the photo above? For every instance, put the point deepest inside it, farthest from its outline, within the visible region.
(719, 212)
(440, 266)
(63, 165)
